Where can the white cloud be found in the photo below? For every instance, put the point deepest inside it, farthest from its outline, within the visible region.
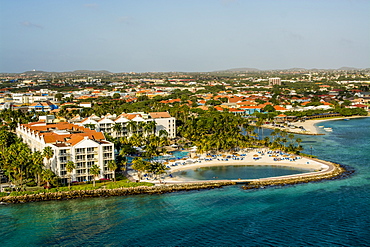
(30, 24)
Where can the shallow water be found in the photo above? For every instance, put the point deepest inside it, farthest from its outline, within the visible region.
(331, 213)
(236, 172)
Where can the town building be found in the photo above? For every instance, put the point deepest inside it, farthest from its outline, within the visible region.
(70, 142)
(275, 81)
(128, 123)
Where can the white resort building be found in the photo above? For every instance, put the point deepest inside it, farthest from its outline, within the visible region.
(70, 142)
(128, 123)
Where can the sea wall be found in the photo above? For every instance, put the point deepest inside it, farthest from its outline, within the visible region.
(66, 195)
(337, 172)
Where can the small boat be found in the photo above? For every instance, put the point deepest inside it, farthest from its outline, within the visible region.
(346, 119)
(322, 126)
(328, 129)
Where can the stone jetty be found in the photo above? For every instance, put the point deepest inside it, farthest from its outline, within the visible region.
(337, 172)
(66, 195)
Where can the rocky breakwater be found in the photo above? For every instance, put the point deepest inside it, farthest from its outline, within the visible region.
(73, 194)
(332, 171)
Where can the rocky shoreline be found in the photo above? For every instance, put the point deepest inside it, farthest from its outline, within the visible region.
(340, 172)
(67, 195)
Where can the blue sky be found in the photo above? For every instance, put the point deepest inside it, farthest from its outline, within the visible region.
(183, 35)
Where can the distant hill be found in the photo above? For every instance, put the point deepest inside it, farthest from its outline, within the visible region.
(347, 68)
(92, 72)
(239, 70)
(34, 72)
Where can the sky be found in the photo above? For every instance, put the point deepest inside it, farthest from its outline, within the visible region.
(183, 35)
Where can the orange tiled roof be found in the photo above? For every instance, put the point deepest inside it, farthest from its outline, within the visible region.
(75, 135)
(279, 108)
(160, 115)
(250, 107)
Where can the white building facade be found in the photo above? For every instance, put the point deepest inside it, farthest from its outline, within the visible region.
(128, 121)
(82, 146)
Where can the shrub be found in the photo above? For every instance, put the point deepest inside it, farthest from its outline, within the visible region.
(3, 194)
(31, 184)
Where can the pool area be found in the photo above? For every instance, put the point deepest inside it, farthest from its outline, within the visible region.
(236, 172)
(175, 155)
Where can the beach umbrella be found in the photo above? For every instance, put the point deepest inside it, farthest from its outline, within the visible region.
(256, 155)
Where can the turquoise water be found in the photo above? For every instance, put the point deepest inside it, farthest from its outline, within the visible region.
(331, 213)
(236, 172)
(171, 155)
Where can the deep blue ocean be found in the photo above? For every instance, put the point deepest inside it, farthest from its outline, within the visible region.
(330, 213)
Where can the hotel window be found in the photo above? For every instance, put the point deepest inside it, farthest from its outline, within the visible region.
(80, 165)
(89, 150)
(80, 157)
(90, 156)
(107, 156)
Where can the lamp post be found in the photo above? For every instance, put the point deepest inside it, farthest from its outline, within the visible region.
(311, 150)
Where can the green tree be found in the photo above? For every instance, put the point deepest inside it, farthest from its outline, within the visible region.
(268, 108)
(70, 166)
(139, 165)
(116, 96)
(48, 176)
(112, 166)
(37, 165)
(58, 96)
(48, 153)
(95, 171)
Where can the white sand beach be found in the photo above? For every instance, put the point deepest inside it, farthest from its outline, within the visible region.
(258, 157)
(309, 127)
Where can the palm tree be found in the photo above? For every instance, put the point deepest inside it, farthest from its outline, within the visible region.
(298, 141)
(48, 176)
(37, 165)
(117, 128)
(150, 127)
(163, 133)
(123, 164)
(139, 165)
(132, 126)
(291, 137)
(157, 168)
(112, 166)
(48, 153)
(95, 171)
(70, 166)
(140, 127)
(136, 140)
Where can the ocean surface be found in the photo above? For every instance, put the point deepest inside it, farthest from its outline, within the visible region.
(330, 213)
